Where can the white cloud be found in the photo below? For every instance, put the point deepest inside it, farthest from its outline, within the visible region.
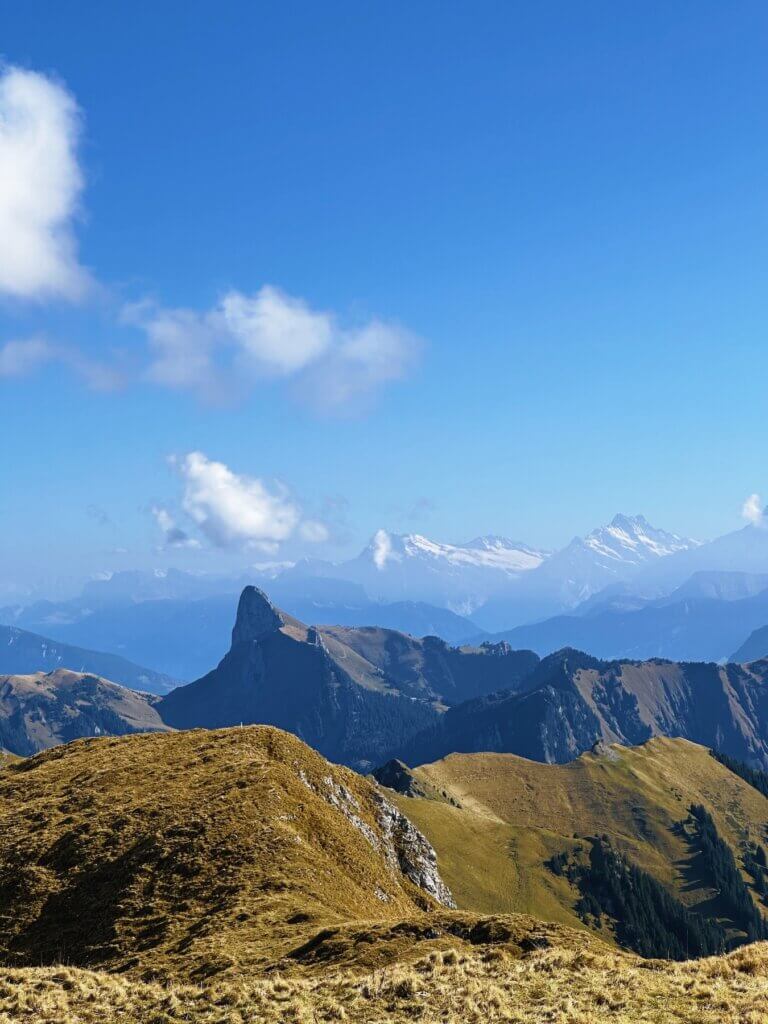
(313, 531)
(173, 535)
(180, 343)
(18, 358)
(232, 347)
(222, 353)
(278, 334)
(233, 510)
(361, 362)
(382, 549)
(40, 184)
(753, 510)
(24, 356)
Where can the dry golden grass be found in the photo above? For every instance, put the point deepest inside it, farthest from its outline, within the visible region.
(578, 983)
(185, 853)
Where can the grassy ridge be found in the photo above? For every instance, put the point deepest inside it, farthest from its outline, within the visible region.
(186, 853)
(235, 877)
(515, 814)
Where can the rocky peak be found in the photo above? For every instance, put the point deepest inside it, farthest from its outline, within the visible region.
(256, 618)
(398, 776)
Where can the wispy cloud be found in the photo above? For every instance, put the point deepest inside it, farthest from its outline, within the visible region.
(21, 357)
(40, 185)
(173, 535)
(234, 510)
(246, 340)
(753, 510)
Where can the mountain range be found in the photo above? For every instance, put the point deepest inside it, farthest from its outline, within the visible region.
(499, 582)
(177, 623)
(350, 693)
(685, 626)
(359, 694)
(181, 630)
(571, 700)
(177, 857)
(363, 695)
(23, 652)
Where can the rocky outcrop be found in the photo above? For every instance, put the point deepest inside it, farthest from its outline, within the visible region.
(407, 849)
(256, 618)
(401, 844)
(398, 776)
(280, 672)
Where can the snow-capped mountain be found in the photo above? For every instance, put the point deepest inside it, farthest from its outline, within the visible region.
(457, 576)
(631, 540)
(490, 552)
(744, 550)
(610, 554)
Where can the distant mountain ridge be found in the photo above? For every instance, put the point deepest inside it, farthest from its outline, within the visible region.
(42, 710)
(611, 554)
(571, 700)
(348, 693)
(461, 577)
(24, 652)
(686, 626)
(363, 695)
(184, 638)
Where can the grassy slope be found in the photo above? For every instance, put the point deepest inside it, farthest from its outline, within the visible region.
(184, 852)
(204, 860)
(516, 813)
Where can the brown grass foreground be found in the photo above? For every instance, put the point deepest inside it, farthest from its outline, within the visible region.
(557, 985)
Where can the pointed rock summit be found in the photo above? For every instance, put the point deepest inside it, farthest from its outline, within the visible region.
(256, 618)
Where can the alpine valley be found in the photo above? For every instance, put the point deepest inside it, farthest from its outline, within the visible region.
(352, 822)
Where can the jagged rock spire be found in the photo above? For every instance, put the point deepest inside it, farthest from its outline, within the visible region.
(256, 618)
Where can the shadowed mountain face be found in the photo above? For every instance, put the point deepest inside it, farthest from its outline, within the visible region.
(348, 693)
(572, 700)
(430, 667)
(754, 648)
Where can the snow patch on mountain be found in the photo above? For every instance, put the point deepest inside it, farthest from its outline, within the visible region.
(490, 552)
(632, 539)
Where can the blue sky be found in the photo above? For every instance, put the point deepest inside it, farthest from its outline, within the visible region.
(543, 225)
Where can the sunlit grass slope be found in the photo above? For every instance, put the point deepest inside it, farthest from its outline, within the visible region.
(515, 814)
(236, 877)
